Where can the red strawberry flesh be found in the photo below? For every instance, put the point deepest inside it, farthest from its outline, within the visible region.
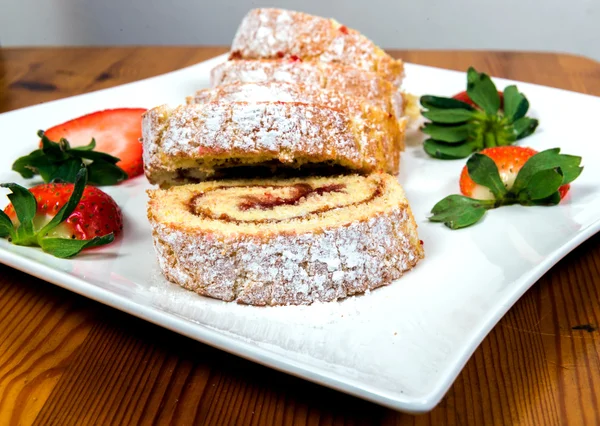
(116, 131)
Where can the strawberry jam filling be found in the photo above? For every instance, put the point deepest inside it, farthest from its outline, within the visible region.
(268, 201)
(269, 198)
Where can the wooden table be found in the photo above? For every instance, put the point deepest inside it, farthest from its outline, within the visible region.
(68, 360)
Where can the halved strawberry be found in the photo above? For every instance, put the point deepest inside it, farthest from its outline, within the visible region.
(509, 160)
(116, 131)
(62, 219)
(96, 214)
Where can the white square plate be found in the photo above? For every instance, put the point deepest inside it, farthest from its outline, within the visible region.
(400, 346)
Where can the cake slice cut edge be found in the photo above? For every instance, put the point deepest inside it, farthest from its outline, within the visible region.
(378, 124)
(191, 143)
(285, 242)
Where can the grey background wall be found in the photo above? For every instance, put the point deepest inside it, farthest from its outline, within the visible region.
(557, 25)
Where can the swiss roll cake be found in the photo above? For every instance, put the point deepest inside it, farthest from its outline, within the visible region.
(272, 124)
(284, 241)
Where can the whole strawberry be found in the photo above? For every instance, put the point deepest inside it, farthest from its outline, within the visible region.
(61, 218)
(509, 160)
(507, 175)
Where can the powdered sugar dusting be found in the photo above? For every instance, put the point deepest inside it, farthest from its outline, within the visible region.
(323, 265)
(276, 91)
(370, 123)
(271, 33)
(285, 131)
(314, 75)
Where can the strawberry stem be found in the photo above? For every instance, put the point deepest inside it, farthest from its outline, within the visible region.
(490, 139)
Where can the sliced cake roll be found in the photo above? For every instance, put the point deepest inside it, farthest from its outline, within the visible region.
(273, 125)
(381, 121)
(280, 242)
(278, 33)
(368, 85)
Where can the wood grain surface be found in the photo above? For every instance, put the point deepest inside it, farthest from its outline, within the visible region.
(67, 360)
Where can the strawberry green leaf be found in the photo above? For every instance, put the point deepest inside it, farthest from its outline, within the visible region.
(515, 103)
(25, 207)
(446, 151)
(552, 200)
(549, 159)
(69, 207)
(52, 150)
(65, 248)
(105, 173)
(47, 171)
(484, 171)
(484, 125)
(23, 202)
(524, 127)
(88, 147)
(58, 161)
(6, 226)
(433, 102)
(482, 91)
(569, 167)
(28, 165)
(448, 134)
(94, 155)
(67, 170)
(450, 116)
(457, 211)
(541, 185)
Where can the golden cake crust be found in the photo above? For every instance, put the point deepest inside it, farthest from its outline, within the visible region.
(278, 33)
(317, 255)
(352, 81)
(200, 138)
(382, 124)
